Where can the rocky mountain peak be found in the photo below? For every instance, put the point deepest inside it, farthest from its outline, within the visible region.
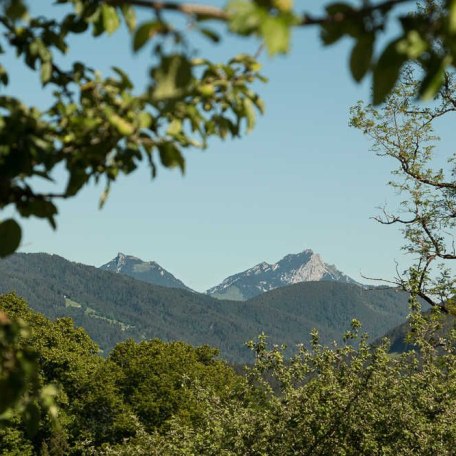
(146, 271)
(305, 266)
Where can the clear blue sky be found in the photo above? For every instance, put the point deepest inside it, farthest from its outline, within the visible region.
(302, 179)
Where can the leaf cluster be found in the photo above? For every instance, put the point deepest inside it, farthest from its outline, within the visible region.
(100, 401)
(98, 127)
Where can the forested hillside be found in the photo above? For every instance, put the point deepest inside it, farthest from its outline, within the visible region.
(330, 307)
(113, 308)
(167, 399)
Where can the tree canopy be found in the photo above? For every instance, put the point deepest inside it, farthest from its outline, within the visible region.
(172, 399)
(425, 177)
(97, 127)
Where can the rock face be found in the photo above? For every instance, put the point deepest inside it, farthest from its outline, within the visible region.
(146, 271)
(306, 266)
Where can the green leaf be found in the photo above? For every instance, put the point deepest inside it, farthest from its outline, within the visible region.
(361, 56)
(46, 72)
(145, 32)
(75, 24)
(452, 16)
(104, 196)
(124, 127)
(331, 33)
(434, 79)
(126, 81)
(129, 15)
(110, 18)
(175, 127)
(16, 10)
(249, 113)
(4, 79)
(276, 34)
(387, 71)
(144, 119)
(10, 237)
(259, 103)
(412, 45)
(170, 156)
(244, 16)
(39, 208)
(172, 77)
(78, 178)
(211, 34)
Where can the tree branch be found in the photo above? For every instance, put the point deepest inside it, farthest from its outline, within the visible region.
(191, 9)
(390, 219)
(212, 12)
(438, 250)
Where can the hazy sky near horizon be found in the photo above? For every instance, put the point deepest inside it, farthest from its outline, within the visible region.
(302, 179)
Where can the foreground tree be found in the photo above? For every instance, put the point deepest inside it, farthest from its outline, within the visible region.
(165, 399)
(99, 127)
(99, 401)
(426, 178)
(338, 400)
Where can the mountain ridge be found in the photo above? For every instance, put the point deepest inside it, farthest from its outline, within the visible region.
(114, 308)
(146, 271)
(305, 266)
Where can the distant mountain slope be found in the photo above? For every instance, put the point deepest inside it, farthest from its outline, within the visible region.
(113, 308)
(306, 266)
(147, 271)
(398, 334)
(331, 306)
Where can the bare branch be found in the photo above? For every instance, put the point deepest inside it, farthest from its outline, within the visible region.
(390, 219)
(376, 279)
(431, 302)
(437, 248)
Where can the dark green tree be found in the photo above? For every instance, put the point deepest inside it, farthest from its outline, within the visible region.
(83, 385)
(155, 376)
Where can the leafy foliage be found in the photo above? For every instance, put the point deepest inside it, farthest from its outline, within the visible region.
(170, 398)
(404, 131)
(346, 399)
(102, 400)
(154, 375)
(98, 127)
(400, 335)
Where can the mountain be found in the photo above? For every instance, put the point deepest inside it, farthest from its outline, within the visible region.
(146, 271)
(113, 308)
(306, 266)
(329, 306)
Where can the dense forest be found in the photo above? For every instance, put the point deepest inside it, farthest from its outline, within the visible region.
(113, 307)
(169, 398)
